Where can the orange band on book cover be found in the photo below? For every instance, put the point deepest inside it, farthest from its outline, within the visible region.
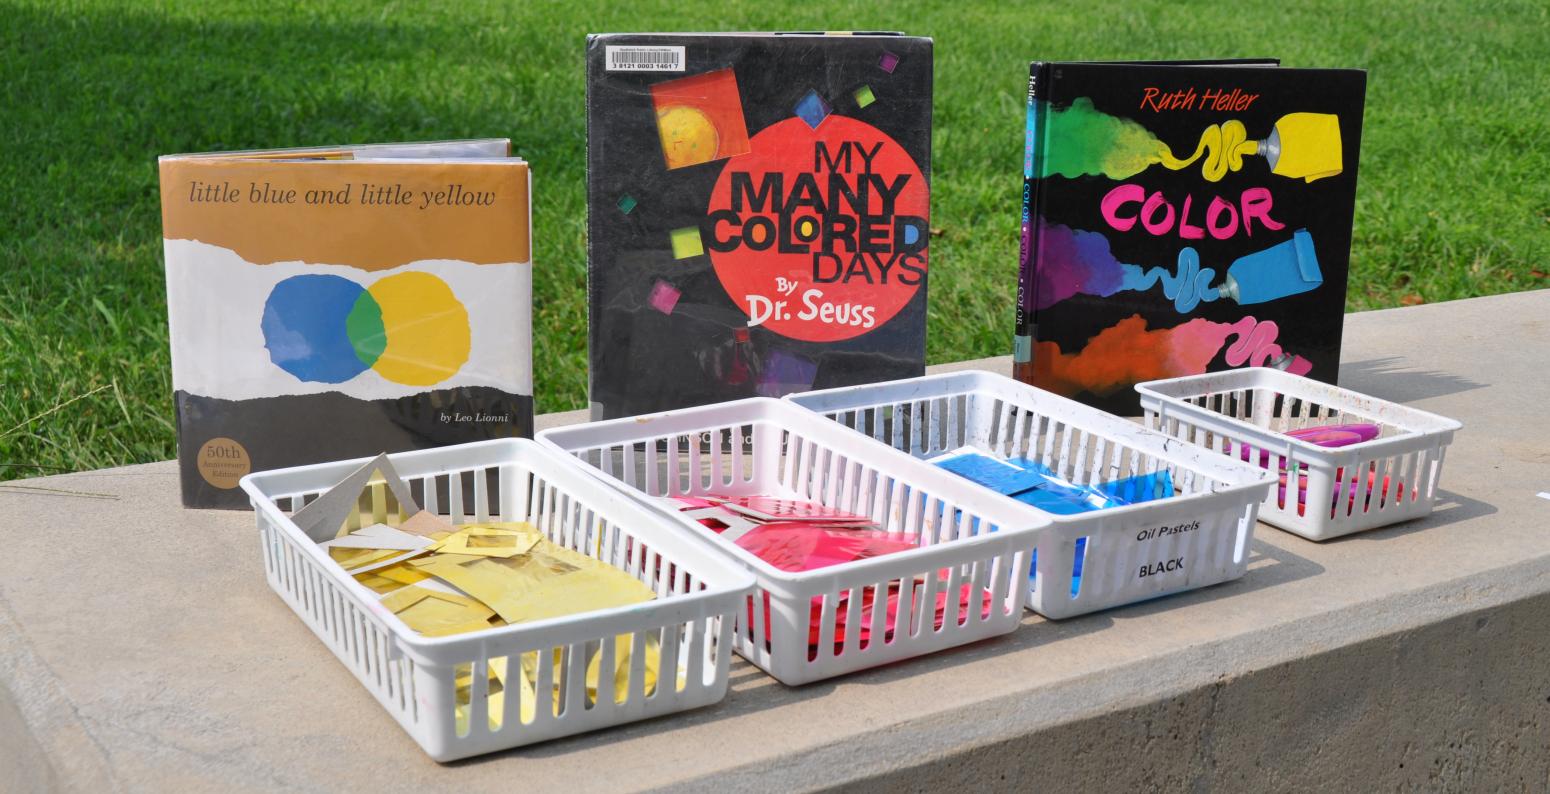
(373, 215)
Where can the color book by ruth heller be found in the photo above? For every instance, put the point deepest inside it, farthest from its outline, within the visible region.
(1184, 217)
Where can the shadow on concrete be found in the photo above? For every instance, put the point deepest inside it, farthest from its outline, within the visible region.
(1269, 566)
(1391, 378)
(1450, 508)
(754, 691)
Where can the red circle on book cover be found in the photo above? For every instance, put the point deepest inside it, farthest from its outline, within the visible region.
(819, 234)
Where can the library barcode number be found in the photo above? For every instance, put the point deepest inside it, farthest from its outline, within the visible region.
(645, 59)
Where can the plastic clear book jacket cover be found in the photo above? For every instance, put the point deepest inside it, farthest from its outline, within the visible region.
(758, 214)
(341, 302)
(1180, 218)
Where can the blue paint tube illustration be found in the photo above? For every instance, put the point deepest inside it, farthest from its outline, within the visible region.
(1280, 271)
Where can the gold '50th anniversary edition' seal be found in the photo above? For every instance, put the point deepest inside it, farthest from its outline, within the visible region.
(222, 462)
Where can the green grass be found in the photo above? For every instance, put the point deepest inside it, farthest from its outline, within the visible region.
(1453, 199)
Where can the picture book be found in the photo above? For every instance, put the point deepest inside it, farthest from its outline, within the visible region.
(758, 214)
(1184, 217)
(342, 302)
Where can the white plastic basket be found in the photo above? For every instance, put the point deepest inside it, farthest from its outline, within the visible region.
(1251, 409)
(413, 676)
(1003, 418)
(768, 447)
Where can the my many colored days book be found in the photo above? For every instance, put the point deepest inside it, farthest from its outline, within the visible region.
(341, 302)
(1180, 218)
(758, 214)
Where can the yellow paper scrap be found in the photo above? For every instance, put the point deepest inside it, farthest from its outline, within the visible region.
(402, 574)
(509, 526)
(539, 585)
(456, 628)
(437, 614)
(491, 529)
(529, 578)
(479, 577)
(545, 581)
(411, 595)
(623, 651)
(528, 679)
(499, 542)
(502, 528)
(436, 558)
(378, 584)
(350, 559)
(401, 557)
(488, 542)
(497, 693)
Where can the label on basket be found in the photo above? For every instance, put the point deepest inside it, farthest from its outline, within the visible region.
(1160, 567)
(1164, 566)
(1165, 531)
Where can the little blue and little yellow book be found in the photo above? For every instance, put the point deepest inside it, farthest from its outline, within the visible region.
(341, 302)
(1180, 218)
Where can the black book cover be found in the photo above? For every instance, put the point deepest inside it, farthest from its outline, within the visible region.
(758, 214)
(1181, 218)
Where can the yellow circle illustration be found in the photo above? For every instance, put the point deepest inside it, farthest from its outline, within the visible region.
(427, 331)
(688, 136)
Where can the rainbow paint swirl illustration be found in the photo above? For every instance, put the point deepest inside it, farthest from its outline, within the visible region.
(1073, 261)
(1093, 143)
(1128, 352)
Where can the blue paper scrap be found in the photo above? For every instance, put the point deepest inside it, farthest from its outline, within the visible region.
(1033, 483)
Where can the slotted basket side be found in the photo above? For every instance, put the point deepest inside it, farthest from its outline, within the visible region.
(1244, 414)
(685, 635)
(790, 624)
(1128, 554)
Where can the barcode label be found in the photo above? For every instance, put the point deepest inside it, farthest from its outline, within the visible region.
(645, 59)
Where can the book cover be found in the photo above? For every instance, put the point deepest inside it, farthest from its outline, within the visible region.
(1181, 218)
(758, 214)
(326, 304)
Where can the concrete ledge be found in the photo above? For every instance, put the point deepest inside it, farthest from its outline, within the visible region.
(141, 650)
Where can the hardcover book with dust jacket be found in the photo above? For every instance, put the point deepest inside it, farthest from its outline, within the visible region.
(1181, 218)
(341, 302)
(758, 214)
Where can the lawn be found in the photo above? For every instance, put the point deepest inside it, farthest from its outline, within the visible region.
(1453, 200)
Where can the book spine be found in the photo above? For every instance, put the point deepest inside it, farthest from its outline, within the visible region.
(593, 70)
(1033, 150)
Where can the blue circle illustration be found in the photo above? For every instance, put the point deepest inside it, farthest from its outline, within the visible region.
(307, 328)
